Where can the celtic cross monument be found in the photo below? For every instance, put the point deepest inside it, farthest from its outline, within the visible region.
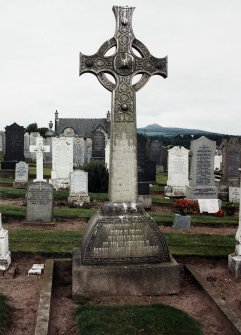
(121, 233)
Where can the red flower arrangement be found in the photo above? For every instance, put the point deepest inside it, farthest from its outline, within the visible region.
(186, 207)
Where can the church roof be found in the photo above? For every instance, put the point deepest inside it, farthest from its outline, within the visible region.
(82, 127)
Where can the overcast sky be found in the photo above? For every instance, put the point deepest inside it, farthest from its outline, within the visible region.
(40, 45)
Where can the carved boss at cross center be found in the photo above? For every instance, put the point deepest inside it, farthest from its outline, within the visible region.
(123, 65)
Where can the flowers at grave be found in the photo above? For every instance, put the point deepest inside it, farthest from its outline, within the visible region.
(219, 213)
(230, 208)
(186, 206)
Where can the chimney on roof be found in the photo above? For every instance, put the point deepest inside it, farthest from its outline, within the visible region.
(56, 124)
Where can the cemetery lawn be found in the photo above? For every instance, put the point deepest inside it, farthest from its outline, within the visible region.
(51, 243)
(5, 314)
(134, 319)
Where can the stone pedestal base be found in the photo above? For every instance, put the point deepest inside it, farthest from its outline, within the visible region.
(202, 192)
(5, 262)
(234, 265)
(175, 191)
(77, 201)
(123, 279)
(19, 184)
(59, 183)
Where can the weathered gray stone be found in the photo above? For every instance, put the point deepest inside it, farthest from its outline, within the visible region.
(178, 172)
(121, 233)
(62, 164)
(202, 180)
(234, 194)
(78, 189)
(21, 175)
(126, 279)
(182, 221)
(39, 203)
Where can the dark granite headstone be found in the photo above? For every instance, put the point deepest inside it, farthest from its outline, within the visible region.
(231, 162)
(98, 145)
(14, 150)
(39, 202)
(155, 151)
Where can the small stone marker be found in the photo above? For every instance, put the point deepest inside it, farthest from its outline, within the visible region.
(233, 194)
(78, 188)
(21, 175)
(181, 221)
(39, 203)
(36, 269)
(39, 149)
(234, 260)
(5, 254)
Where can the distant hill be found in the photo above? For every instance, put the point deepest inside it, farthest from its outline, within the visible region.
(157, 130)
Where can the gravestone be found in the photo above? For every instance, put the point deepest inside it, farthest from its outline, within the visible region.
(27, 153)
(164, 155)
(21, 175)
(78, 194)
(88, 150)
(33, 136)
(39, 203)
(202, 181)
(178, 172)
(5, 254)
(107, 154)
(231, 163)
(78, 151)
(146, 171)
(234, 260)
(155, 154)
(39, 150)
(233, 194)
(62, 162)
(14, 147)
(126, 244)
(2, 144)
(98, 145)
(47, 155)
(217, 162)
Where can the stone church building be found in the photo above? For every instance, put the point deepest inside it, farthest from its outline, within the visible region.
(91, 136)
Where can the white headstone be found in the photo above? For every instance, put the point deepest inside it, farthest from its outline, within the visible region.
(177, 181)
(5, 254)
(39, 149)
(62, 161)
(21, 174)
(78, 188)
(208, 205)
(107, 154)
(217, 162)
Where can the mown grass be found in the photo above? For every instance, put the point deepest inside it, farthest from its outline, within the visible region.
(7, 181)
(134, 319)
(5, 314)
(61, 212)
(45, 242)
(181, 244)
(61, 243)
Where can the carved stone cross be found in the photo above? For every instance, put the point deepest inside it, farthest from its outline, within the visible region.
(123, 66)
(39, 149)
